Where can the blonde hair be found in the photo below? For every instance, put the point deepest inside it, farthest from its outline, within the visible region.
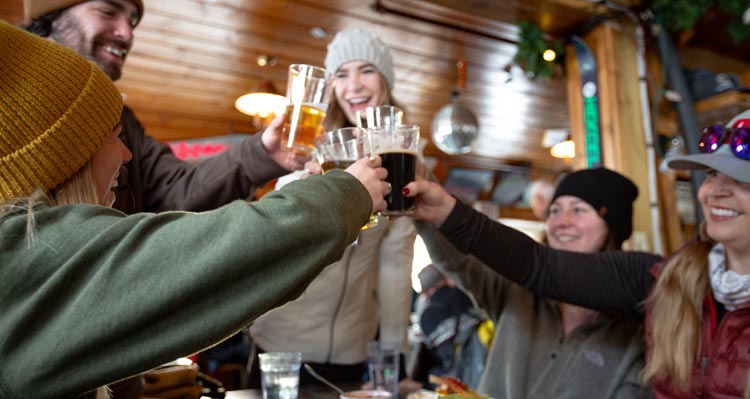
(78, 189)
(676, 314)
(335, 116)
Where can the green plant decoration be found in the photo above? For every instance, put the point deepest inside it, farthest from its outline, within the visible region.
(528, 57)
(678, 15)
(736, 28)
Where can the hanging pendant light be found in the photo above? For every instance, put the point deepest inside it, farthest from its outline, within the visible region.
(262, 101)
(454, 127)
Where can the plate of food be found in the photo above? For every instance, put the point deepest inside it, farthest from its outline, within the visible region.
(423, 394)
(453, 388)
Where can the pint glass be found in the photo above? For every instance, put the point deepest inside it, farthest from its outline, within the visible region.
(308, 91)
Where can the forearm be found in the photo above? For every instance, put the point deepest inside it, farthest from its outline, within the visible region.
(170, 184)
(483, 284)
(505, 250)
(132, 293)
(610, 281)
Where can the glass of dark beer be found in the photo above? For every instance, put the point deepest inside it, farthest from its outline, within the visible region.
(398, 148)
(340, 148)
(308, 91)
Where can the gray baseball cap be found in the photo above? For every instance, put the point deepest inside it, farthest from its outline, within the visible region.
(722, 160)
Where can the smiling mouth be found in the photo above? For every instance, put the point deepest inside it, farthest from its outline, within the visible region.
(117, 51)
(360, 100)
(724, 212)
(566, 238)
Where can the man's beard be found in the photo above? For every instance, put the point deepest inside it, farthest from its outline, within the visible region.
(67, 31)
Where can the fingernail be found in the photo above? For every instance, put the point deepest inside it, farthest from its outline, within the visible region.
(405, 191)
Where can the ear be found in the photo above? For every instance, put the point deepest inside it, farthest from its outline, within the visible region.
(602, 211)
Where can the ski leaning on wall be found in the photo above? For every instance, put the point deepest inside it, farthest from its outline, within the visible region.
(590, 92)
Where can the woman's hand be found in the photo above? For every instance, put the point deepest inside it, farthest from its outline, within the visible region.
(432, 203)
(271, 139)
(371, 174)
(313, 168)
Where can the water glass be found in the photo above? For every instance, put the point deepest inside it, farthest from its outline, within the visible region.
(280, 374)
(383, 368)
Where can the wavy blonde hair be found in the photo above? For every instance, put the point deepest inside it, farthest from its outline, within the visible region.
(336, 118)
(676, 314)
(78, 189)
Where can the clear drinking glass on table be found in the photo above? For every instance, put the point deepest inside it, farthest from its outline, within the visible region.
(383, 367)
(340, 148)
(308, 91)
(280, 374)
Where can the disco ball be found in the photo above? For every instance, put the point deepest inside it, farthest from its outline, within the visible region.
(454, 129)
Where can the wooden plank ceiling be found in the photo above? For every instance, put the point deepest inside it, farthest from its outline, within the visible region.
(193, 58)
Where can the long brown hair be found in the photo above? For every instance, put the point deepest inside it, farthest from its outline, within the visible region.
(676, 312)
(336, 118)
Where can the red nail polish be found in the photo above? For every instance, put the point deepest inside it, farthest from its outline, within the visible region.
(405, 191)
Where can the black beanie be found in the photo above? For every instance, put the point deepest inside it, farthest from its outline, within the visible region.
(609, 192)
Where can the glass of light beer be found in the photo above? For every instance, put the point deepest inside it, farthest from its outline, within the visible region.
(340, 148)
(308, 90)
(398, 148)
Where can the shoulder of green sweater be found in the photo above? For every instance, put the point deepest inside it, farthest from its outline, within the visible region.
(43, 209)
(79, 220)
(74, 214)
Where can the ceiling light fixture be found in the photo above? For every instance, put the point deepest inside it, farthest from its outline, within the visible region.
(263, 101)
(559, 143)
(549, 55)
(266, 60)
(318, 33)
(565, 150)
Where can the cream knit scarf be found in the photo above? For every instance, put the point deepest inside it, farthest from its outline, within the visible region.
(730, 288)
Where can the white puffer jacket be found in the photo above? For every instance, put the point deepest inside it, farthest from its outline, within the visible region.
(341, 309)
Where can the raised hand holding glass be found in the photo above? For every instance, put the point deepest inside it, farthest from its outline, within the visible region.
(338, 149)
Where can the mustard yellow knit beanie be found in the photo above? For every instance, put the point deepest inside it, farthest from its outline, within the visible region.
(56, 109)
(33, 9)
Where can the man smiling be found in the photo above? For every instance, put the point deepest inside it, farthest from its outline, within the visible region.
(155, 180)
(101, 31)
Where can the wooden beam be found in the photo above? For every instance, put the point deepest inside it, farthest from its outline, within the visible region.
(621, 121)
